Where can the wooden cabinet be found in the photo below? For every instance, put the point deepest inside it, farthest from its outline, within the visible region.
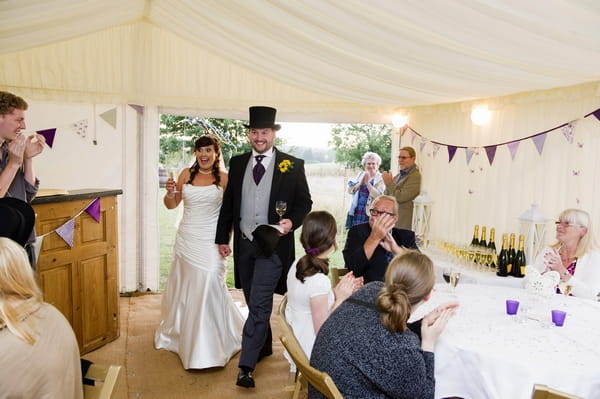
(82, 280)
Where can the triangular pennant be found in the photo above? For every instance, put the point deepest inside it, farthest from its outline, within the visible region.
(436, 148)
(568, 131)
(513, 146)
(48, 135)
(451, 152)
(80, 127)
(66, 232)
(596, 113)
(110, 117)
(138, 108)
(37, 246)
(412, 137)
(422, 144)
(94, 209)
(490, 150)
(469, 153)
(539, 140)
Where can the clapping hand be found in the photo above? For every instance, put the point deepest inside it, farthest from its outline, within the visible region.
(16, 150)
(434, 323)
(387, 177)
(34, 145)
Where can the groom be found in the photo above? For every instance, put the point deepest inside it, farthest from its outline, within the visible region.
(257, 180)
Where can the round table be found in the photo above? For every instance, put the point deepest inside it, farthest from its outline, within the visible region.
(485, 353)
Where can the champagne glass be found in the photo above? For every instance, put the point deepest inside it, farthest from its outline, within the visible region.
(172, 174)
(280, 208)
(454, 277)
(446, 273)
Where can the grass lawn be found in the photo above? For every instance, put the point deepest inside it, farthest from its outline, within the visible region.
(327, 184)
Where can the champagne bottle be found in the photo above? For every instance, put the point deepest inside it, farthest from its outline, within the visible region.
(492, 247)
(482, 241)
(491, 242)
(520, 262)
(503, 257)
(475, 240)
(512, 254)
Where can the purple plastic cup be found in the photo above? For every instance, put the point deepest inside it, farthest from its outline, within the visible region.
(558, 317)
(512, 306)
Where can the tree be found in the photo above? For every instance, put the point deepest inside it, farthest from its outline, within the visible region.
(351, 141)
(177, 134)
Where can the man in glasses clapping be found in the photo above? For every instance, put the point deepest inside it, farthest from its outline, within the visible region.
(371, 246)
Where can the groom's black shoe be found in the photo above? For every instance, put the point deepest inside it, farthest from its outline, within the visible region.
(244, 379)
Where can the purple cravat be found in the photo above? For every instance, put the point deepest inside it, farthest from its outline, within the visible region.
(259, 169)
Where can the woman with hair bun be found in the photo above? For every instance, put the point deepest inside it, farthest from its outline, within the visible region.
(368, 347)
(310, 297)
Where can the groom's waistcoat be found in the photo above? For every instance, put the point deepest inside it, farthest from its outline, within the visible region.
(254, 207)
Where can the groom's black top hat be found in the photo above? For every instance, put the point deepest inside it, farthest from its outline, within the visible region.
(17, 219)
(262, 118)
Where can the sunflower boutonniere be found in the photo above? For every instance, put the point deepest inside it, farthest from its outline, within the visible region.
(285, 166)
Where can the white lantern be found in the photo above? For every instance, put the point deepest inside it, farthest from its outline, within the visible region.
(421, 218)
(533, 226)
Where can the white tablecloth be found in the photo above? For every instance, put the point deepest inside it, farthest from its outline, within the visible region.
(485, 353)
(470, 275)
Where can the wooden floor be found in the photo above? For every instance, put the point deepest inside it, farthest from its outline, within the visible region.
(151, 373)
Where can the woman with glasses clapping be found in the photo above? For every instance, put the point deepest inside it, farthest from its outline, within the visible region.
(575, 255)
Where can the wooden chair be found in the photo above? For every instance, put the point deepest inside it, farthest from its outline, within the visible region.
(541, 391)
(337, 273)
(305, 374)
(106, 379)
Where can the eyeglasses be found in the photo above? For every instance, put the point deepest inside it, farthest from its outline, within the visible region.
(377, 212)
(565, 224)
(403, 157)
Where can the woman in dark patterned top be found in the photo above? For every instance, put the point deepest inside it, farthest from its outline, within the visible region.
(366, 344)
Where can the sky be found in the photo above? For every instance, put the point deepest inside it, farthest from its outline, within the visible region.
(306, 134)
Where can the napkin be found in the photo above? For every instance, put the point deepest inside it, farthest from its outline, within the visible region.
(541, 284)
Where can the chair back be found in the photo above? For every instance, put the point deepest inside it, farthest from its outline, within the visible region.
(336, 274)
(541, 391)
(106, 379)
(320, 380)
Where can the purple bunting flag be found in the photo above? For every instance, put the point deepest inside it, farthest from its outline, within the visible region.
(596, 113)
(48, 135)
(451, 152)
(94, 209)
(490, 150)
(66, 232)
(513, 146)
(539, 140)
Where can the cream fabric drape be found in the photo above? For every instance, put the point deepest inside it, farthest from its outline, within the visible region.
(329, 61)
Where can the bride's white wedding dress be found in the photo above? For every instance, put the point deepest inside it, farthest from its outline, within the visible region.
(201, 322)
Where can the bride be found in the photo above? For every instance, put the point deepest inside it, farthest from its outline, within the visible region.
(201, 323)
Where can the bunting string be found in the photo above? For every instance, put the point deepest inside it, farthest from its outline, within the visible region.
(66, 230)
(538, 139)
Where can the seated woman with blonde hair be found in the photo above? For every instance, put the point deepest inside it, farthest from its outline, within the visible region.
(40, 356)
(367, 345)
(575, 255)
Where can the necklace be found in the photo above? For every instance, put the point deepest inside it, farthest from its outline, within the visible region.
(205, 173)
